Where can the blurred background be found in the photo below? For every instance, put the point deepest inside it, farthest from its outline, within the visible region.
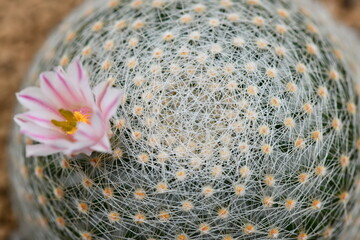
(24, 26)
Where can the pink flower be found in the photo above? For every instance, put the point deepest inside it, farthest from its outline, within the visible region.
(65, 115)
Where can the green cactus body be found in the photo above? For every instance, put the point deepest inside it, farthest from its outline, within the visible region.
(240, 121)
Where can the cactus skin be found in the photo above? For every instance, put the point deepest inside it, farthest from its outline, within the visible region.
(240, 122)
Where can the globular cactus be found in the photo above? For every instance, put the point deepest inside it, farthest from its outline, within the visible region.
(240, 121)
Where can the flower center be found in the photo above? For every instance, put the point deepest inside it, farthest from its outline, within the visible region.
(72, 118)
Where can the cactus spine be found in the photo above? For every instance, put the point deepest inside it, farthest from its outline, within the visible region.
(240, 121)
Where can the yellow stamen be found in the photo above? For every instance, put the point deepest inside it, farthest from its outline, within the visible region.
(71, 120)
(82, 117)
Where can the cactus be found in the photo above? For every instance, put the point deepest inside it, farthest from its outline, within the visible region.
(240, 121)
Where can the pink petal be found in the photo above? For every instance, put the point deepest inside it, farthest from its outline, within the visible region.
(107, 99)
(95, 134)
(19, 119)
(100, 91)
(92, 132)
(68, 85)
(77, 148)
(41, 134)
(103, 145)
(33, 99)
(41, 150)
(56, 88)
(40, 118)
(87, 151)
(76, 74)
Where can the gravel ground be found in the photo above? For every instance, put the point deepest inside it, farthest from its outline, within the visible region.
(24, 25)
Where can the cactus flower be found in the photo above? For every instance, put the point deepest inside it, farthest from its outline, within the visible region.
(65, 114)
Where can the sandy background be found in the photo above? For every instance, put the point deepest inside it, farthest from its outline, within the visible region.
(24, 26)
